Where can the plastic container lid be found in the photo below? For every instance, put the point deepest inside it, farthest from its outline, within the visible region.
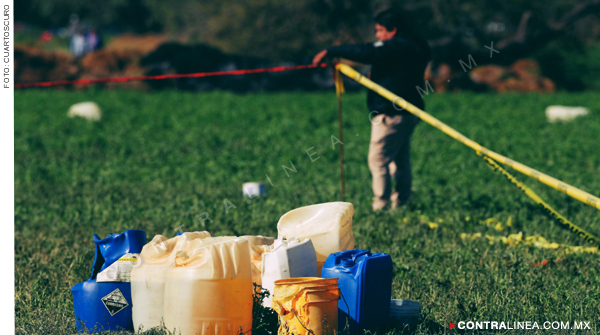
(404, 307)
(347, 262)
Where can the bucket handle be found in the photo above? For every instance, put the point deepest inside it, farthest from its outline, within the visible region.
(300, 321)
(304, 293)
(347, 307)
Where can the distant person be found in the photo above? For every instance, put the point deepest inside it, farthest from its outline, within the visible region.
(77, 44)
(398, 59)
(92, 40)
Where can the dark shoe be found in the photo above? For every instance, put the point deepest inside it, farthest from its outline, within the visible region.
(396, 202)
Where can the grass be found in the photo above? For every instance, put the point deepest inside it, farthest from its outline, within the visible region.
(158, 160)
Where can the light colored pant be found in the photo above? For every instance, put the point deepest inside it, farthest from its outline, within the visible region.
(390, 150)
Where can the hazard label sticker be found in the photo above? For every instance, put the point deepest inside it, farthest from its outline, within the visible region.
(119, 271)
(115, 302)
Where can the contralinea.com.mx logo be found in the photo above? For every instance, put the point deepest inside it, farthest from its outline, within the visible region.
(521, 325)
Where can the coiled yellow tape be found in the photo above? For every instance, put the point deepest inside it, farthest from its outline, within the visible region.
(553, 213)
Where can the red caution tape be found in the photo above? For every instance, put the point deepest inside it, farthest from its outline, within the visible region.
(168, 76)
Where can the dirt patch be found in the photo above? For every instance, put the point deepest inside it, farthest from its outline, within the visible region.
(522, 76)
(120, 58)
(33, 64)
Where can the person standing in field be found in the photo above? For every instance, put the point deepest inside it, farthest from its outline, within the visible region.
(399, 59)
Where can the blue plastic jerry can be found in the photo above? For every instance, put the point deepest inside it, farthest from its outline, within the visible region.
(103, 302)
(365, 282)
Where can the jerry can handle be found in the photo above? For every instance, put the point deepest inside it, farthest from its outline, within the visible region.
(98, 258)
(361, 253)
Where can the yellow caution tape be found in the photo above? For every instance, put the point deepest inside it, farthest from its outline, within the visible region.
(552, 182)
(535, 241)
(530, 193)
(339, 82)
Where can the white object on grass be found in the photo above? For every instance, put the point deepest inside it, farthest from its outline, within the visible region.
(87, 110)
(564, 113)
(254, 189)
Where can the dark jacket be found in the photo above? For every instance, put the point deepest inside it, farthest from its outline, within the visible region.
(397, 64)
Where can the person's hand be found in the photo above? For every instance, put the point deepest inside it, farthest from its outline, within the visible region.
(319, 57)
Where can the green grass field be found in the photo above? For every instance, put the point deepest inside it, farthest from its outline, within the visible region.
(158, 160)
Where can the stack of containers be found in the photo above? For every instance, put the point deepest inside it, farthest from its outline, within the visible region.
(365, 281)
(209, 288)
(197, 284)
(303, 305)
(148, 278)
(149, 275)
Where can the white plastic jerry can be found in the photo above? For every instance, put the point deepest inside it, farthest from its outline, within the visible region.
(209, 289)
(256, 246)
(328, 225)
(149, 275)
(287, 259)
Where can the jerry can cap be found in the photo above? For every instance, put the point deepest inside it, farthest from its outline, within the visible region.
(347, 262)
